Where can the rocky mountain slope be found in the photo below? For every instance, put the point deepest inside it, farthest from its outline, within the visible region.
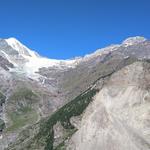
(119, 116)
(100, 101)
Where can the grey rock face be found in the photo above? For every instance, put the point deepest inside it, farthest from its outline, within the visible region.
(118, 118)
(5, 64)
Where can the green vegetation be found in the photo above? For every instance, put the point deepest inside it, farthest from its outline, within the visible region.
(22, 118)
(42, 133)
(2, 98)
(20, 110)
(2, 124)
(69, 133)
(74, 108)
(61, 146)
(24, 94)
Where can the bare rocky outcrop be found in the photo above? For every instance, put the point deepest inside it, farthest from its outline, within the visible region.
(118, 118)
(58, 133)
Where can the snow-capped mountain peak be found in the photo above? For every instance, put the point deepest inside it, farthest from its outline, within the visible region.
(18, 46)
(29, 62)
(133, 40)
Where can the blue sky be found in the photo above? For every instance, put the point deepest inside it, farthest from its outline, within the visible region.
(64, 29)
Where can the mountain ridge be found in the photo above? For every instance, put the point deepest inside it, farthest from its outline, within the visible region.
(45, 96)
(30, 58)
